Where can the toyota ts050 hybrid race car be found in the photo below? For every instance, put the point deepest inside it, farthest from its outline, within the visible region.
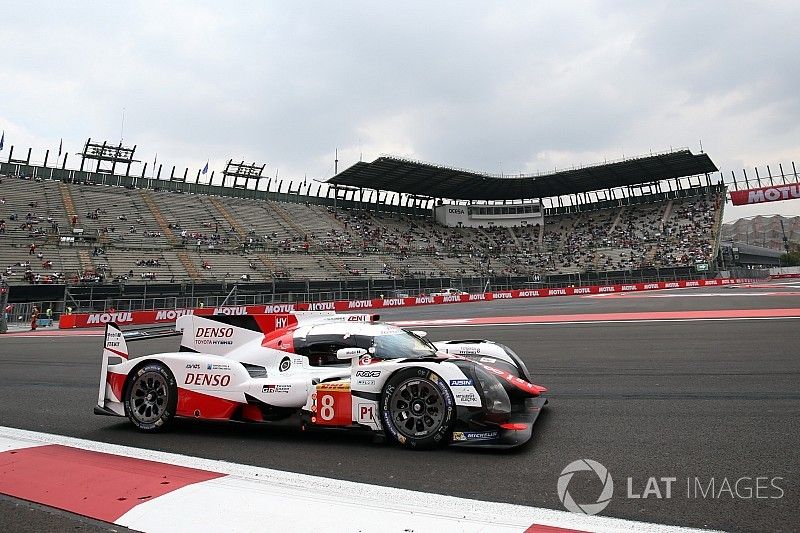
(329, 371)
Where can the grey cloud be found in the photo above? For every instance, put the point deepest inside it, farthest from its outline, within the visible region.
(462, 83)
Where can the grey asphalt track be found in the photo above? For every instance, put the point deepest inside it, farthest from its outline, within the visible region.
(691, 400)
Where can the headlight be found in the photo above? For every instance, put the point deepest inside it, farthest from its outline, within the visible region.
(494, 394)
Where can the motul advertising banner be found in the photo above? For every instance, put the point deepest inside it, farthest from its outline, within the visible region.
(773, 193)
(160, 316)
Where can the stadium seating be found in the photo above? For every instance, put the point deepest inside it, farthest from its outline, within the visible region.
(129, 234)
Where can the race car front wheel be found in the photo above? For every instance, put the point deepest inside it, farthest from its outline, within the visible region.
(417, 409)
(151, 397)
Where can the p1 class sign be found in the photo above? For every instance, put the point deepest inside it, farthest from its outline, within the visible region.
(773, 193)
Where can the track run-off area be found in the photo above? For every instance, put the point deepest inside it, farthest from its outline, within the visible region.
(701, 386)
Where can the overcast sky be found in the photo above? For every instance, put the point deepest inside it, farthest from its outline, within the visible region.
(512, 87)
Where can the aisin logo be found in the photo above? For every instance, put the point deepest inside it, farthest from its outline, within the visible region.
(582, 465)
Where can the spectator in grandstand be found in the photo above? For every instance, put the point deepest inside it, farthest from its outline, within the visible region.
(32, 249)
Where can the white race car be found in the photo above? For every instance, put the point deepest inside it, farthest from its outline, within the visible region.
(328, 371)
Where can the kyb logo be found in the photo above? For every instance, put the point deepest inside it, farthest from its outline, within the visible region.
(585, 465)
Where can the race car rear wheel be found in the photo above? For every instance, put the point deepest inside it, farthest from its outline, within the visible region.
(417, 409)
(151, 397)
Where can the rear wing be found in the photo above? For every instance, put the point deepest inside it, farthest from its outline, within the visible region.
(221, 334)
(114, 348)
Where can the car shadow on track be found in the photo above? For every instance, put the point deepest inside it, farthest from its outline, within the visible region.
(188, 436)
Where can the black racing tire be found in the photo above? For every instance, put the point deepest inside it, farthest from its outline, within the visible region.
(417, 409)
(151, 397)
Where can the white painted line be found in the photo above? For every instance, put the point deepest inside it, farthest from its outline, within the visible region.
(260, 499)
(8, 444)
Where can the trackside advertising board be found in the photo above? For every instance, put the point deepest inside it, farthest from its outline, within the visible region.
(773, 193)
(164, 316)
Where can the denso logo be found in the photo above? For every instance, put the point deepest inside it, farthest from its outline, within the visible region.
(208, 380)
(456, 211)
(526, 294)
(648, 286)
(104, 318)
(607, 288)
(475, 297)
(424, 300)
(241, 310)
(502, 295)
(692, 283)
(279, 308)
(450, 299)
(394, 302)
(359, 304)
(582, 290)
(629, 287)
(672, 285)
(172, 314)
(557, 292)
(214, 332)
(321, 306)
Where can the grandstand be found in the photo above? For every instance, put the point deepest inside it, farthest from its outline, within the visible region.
(127, 234)
(765, 231)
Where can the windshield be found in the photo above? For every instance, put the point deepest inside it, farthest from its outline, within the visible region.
(401, 345)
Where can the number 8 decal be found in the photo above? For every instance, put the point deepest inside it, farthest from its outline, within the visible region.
(327, 412)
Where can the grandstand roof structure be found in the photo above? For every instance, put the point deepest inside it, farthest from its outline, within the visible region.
(388, 173)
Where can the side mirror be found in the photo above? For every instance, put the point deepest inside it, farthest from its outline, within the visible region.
(419, 333)
(350, 353)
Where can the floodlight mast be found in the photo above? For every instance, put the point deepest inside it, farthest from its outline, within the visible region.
(108, 154)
